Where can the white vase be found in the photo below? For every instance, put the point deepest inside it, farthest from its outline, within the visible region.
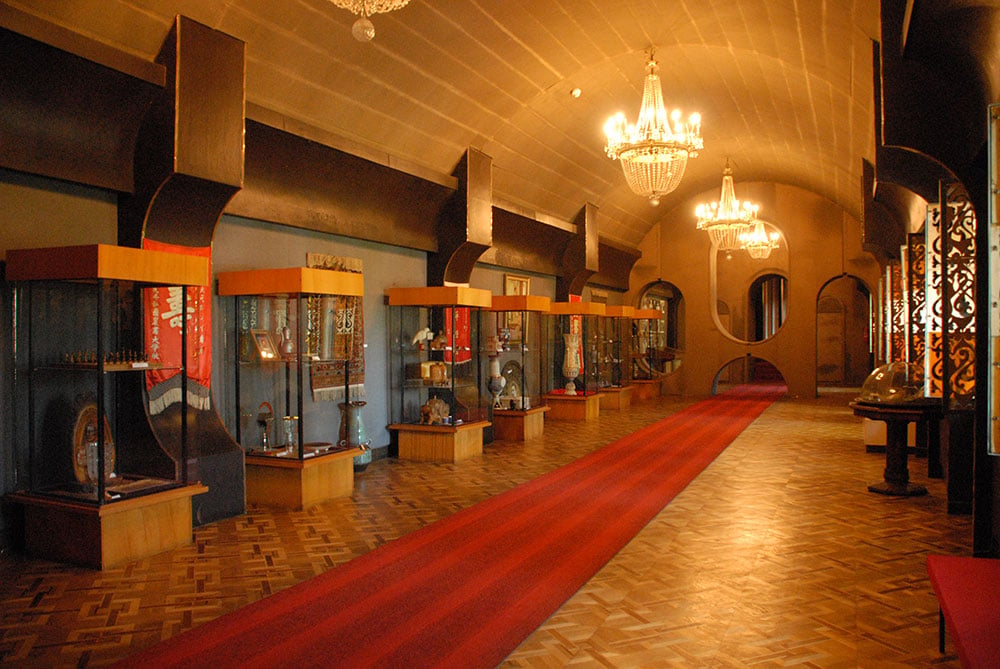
(571, 361)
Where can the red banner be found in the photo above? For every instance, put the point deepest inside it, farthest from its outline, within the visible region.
(163, 320)
(461, 339)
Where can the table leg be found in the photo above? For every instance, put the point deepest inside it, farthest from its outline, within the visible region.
(897, 473)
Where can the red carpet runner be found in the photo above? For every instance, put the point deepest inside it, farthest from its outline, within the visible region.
(466, 590)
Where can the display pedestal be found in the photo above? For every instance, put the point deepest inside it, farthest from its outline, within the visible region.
(896, 417)
(296, 484)
(645, 389)
(111, 534)
(439, 443)
(574, 407)
(517, 425)
(616, 398)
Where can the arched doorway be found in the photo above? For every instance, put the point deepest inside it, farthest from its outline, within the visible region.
(843, 333)
(661, 340)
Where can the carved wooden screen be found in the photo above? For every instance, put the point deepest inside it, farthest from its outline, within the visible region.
(958, 226)
(993, 230)
(915, 291)
(934, 304)
(895, 314)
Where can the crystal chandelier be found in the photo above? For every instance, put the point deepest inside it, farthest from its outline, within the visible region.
(758, 241)
(727, 219)
(654, 151)
(363, 29)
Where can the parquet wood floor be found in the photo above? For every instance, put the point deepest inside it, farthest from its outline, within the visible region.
(776, 555)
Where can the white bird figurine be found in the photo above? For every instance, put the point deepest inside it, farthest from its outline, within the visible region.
(423, 335)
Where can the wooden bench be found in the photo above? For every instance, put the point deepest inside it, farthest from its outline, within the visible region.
(968, 593)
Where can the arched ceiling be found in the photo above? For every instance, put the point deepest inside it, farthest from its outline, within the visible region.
(784, 86)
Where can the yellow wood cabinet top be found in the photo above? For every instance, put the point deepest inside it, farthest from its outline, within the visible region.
(620, 311)
(287, 280)
(654, 314)
(106, 261)
(440, 296)
(520, 303)
(577, 309)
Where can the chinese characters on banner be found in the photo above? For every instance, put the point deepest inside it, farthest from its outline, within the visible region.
(162, 321)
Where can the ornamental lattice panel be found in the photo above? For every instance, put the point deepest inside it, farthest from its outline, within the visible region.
(916, 290)
(958, 226)
(934, 304)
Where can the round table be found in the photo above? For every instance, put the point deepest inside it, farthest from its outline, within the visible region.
(896, 418)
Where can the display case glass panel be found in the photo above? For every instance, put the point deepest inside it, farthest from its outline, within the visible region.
(516, 334)
(293, 371)
(648, 344)
(573, 349)
(82, 360)
(436, 377)
(614, 343)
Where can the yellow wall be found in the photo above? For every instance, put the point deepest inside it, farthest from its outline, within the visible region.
(823, 243)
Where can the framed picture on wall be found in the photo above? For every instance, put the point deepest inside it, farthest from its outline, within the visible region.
(514, 284)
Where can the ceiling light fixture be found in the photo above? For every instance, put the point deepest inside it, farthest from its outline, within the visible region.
(654, 151)
(363, 29)
(727, 219)
(758, 241)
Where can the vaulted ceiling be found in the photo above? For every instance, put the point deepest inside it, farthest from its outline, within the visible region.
(784, 87)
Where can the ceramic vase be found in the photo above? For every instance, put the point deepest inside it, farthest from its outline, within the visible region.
(352, 433)
(571, 361)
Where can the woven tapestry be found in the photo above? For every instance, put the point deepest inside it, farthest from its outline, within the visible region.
(337, 335)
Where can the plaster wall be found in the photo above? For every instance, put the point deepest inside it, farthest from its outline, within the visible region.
(823, 242)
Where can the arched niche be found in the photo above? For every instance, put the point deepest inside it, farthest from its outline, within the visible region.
(753, 290)
(843, 333)
(748, 369)
(659, 343)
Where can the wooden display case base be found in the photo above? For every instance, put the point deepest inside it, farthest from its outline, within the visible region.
(439, 443)
(574, 407)
(645, 389)
(616, 398)
(297, 484)
(109, 535)
(517, 425)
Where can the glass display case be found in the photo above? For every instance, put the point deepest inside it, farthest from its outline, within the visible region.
(298, 342)
(573, 354)
(614, 363)
(438, 404)
(514, 356)
(85, 357)
(647, 339)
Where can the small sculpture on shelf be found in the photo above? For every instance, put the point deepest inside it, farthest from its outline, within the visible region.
(495, 384)
(435, 411)
(421, 337)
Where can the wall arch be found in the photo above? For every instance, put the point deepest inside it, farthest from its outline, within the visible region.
(747, 369)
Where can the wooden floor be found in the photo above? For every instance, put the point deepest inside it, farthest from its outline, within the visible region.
(776, 555)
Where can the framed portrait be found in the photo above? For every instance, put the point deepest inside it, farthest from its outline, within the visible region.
(514, 284)
(265, 345)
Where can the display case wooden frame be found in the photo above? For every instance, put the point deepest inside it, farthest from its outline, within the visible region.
(646, 385)
(586, 403)
(615, 362)
(145, 507)
(314, 469)
(420, 370)
(522, 413)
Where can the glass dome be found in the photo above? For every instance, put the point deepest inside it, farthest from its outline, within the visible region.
(894, 383)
